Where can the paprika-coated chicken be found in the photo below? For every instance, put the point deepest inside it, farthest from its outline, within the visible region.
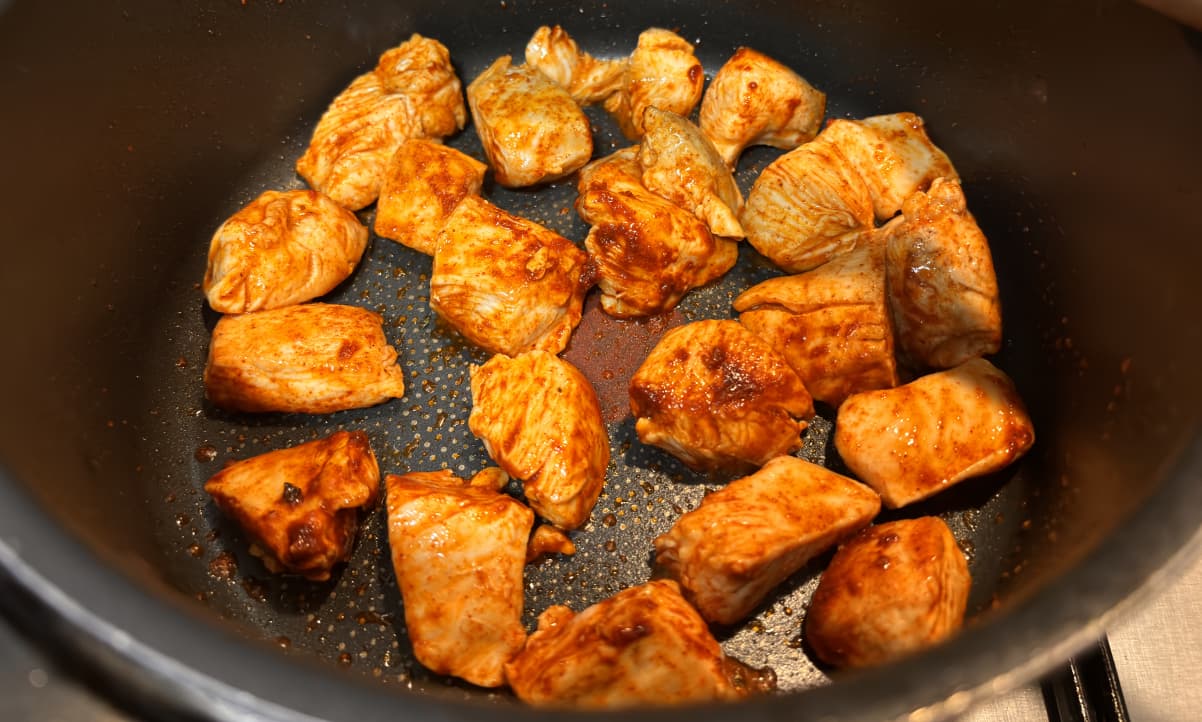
(531, 129)
(315, 359)
(587, 79)
(282, 248)
(643, 646)
(918, 439)
(752, 534)
(831, 324)
(892, 589)
(459, 552)
(754, 100)
(300, 505)
(663, 72)
(540, 420)
(506, 283)
(942, 286)
(715, 396)
(423, 184)
(681, 165)
(413, 92)
(808, 206)
(648, 251)
(893, 155)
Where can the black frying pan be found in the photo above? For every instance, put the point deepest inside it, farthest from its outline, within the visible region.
(1070, 126)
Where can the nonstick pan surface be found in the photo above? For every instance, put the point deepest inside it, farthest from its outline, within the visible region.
(1019, 528)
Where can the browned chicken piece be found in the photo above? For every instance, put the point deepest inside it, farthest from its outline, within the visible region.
(300, 506)
(806, 207)
(893, 155)
(506, 283)
(413, 92)
(916, 440)
(663, 72)
(831, 324)
(587, 79)
(681, 165)
(547, 540)
(284, 247)
(315, 359)
(643, 646)
(754, 100)
(942, 286)
(648, 251)
(892, 589)
(752, 534)
(717, 397)
(540, 420)
(423, 184)
(531, 129)
(459, 551)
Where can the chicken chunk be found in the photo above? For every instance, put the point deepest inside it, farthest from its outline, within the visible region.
(548, 539)
(831, 324)
(892, 589)
(413, 92)
(648, 251)
(663, 72)
(423, 184)
(315, 359)
(752, 534)
(531, 129)
(893, 155)
(806, 207)
(681, 165)
(916, 440)
(540, 420)
(942, 287)
(587, 79)
(754, 100)
(283, 248)
(506, 283)
(716, 397)
(643, 646)
(459, 551)
(301, 505)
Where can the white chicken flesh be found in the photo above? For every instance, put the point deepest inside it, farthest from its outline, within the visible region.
(587, 79)
(663, 72)
(681, 165)
(717, 397)
(942, 287)
(284, 247)
(459, 551)
(541, 422)
(918, 439)
(752, 534)
(423, 184)
(413, 92)
(643, 646)
(831, 324)
(531, 129)
(506, 283)
(754, 100)
(892, 589)
(648, 251)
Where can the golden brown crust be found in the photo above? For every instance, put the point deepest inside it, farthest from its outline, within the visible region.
(423, 184)
(717, 397)
(301, 505)
(280, 249)
(892, 589)
(316, 359)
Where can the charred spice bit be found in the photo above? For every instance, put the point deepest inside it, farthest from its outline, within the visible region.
(195, 550)
(223, 566)
(283, 642)
(205, 453)
(345, 659)
(293, 494)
